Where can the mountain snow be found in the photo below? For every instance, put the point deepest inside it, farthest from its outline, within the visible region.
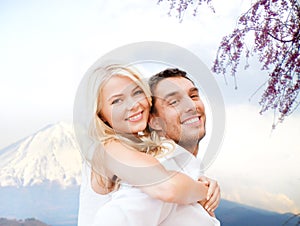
(50, 155)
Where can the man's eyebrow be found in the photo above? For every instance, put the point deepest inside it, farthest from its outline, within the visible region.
(194, 89)
(171, 94)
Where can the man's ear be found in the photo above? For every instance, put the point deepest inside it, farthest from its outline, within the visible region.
(156, 123)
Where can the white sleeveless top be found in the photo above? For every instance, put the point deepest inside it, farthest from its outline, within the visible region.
(89, 200)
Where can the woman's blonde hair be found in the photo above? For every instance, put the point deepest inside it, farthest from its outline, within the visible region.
(101, 133)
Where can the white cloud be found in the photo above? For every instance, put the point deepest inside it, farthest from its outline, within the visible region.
(258, 197)
(258, 166)
(46, 49)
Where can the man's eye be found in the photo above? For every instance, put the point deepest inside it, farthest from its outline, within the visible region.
(194, 96)
(173, 102)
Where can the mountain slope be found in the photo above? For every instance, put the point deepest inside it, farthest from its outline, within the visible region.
(235, 214)
(49, 155)
(26, 222)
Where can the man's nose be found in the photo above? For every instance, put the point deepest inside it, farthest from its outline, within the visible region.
(188, 104)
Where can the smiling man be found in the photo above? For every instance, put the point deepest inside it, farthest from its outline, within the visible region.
(178, 112)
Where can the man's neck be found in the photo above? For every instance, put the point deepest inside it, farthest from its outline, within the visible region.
(191, 148)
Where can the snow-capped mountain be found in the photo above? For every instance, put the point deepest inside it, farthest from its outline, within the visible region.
(50, 155)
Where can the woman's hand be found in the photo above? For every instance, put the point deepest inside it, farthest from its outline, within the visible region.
(213, 195)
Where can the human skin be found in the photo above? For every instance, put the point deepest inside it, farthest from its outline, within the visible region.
(125, 109)
(179, 114)
(129, 108)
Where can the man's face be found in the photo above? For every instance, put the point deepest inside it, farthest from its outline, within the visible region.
(180, 111)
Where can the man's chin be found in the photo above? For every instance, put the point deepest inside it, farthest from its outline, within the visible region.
(190, 140)
(195, 136)
(201, 135)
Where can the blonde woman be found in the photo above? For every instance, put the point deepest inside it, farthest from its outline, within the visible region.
(122, 169)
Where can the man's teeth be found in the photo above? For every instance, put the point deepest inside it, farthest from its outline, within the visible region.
(191, 121)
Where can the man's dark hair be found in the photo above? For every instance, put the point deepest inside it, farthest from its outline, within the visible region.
(167, 73)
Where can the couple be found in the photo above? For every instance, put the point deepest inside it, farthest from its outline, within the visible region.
(141, 168)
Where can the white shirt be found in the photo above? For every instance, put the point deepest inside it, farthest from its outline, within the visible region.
(131, 207)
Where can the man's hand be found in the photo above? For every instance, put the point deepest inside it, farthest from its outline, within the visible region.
(213, 195)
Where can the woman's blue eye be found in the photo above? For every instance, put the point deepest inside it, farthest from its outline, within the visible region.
(116, 101)
(138, 92)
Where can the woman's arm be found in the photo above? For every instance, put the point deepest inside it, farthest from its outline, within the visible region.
(142, 170)
(179, 188)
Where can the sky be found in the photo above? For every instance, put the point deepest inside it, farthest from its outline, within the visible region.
(47, 46)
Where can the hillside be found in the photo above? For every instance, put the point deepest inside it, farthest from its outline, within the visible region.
(235, 214)
(49, 155)
(26, 222)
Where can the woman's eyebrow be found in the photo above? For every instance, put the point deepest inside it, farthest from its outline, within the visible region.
(121, 94)
(135, 88)
(114, 96)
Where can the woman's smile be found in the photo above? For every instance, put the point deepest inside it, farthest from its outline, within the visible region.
(135, 117)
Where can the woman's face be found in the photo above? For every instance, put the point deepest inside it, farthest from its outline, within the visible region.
(124, 105)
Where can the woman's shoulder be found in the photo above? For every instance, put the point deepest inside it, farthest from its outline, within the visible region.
(114, 144)
(86, 183)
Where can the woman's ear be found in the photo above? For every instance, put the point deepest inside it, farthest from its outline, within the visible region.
(156, 123)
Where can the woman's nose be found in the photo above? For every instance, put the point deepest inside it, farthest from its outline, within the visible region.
(132, 103)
